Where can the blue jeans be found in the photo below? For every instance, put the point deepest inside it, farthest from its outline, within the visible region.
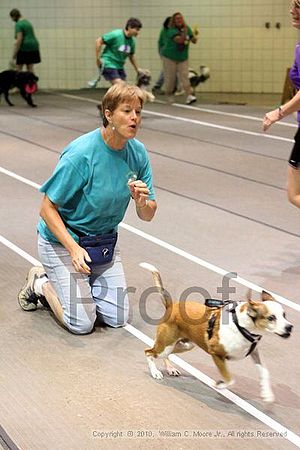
(84, 297)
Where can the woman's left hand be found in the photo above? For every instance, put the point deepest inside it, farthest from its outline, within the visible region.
(139, 192)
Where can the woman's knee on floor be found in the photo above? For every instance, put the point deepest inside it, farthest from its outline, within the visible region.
(82, 323)
(81, 327)
(116, 320)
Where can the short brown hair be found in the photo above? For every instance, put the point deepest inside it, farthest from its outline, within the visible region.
(119, 93)
(133, 23)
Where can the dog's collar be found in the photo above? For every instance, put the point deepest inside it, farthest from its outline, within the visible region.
(253, 338)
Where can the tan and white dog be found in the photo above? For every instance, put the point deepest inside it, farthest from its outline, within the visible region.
(188, 323)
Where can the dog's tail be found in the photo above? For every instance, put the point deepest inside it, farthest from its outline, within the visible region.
(165, 296)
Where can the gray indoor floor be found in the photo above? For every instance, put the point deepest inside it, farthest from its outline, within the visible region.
(220, 186)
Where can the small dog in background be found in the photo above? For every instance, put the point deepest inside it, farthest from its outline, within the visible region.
(143, 82)
(196, 78)
(26, 82)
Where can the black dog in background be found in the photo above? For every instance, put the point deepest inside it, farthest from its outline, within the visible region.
(26, 82)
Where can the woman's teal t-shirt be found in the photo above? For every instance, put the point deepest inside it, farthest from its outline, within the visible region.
(90, 184)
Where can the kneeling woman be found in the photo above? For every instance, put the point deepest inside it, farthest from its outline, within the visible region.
(85, 199)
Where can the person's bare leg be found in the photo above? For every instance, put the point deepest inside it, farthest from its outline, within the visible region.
(30, 68)
(54, 302)
(19, 67)
(293, 186)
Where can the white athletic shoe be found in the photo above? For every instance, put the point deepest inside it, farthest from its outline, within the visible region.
(27, 296)
(190, 99)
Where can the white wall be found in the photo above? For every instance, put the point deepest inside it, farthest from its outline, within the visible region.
(242, 54)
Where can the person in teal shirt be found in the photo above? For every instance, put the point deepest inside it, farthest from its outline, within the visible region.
(174, 55)
(119, 45)
(98, 174)
(26, 48)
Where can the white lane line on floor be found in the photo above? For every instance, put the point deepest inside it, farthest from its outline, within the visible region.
(178, 251)
(19, 178)
(194, 121)
(224, 113)
(256, 413)
(219, 127)
(19, 251)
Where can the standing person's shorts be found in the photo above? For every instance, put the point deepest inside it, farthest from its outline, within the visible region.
(33, 57)
(112, 74)
(294, 160)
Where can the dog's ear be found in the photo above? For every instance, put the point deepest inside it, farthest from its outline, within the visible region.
(265, 296)
(253, 308)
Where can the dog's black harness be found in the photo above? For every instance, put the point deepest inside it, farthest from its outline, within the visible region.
(213, 303)
(251, 337)
(211, 324)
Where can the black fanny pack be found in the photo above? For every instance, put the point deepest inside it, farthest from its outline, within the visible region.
(100, 247)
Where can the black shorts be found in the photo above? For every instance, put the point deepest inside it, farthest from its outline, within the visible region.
(112, 74)
(28, 57)
(294, 160)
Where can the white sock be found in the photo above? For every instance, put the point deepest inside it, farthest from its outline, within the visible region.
(38, 284)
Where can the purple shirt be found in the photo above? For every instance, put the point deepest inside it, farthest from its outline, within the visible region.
(295, 73)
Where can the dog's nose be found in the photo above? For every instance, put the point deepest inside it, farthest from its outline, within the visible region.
(288, 328)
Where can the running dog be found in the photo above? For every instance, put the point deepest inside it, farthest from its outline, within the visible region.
(26, 82)
(188, 323)
(143, 82)
(196, 78)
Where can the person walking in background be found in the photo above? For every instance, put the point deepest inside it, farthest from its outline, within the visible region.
(161, 79)
(175, 54)
(161, 42)
(85, 199)
(293, 175)
(26, 49)
(119, 45)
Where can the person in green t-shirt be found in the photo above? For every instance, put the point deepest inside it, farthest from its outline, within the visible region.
(161, 79)
(175, 56)
(119, 45)
(161, 42)
(96, 178)
(26, 48)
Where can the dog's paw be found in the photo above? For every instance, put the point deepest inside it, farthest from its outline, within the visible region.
(173, 372)
(156, 374)
(223, 384)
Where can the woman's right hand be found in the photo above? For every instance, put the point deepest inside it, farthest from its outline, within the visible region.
(270, 118)
(79, 257)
